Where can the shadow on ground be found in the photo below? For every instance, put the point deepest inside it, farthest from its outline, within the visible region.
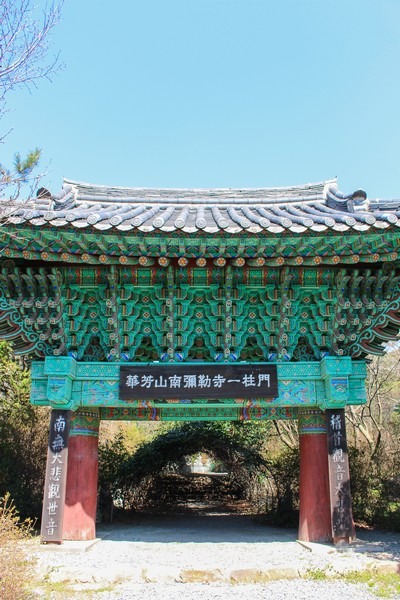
(202, 524)
(195, 527)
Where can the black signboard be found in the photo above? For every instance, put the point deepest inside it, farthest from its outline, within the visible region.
(56, 476)
(159, 382)
(339, 475)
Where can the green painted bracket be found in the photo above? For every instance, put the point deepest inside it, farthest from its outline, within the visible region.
(61, 372)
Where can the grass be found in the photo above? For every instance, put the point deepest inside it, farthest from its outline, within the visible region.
(52, 590)
(382, 585)
(316, 574)
(49, 589)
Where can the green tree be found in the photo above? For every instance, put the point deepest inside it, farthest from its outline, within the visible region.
(374, 445)
(20, 174)
(23, 436)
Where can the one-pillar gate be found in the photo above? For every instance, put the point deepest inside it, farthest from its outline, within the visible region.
(316, 392)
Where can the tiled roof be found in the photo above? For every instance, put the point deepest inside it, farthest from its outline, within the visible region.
(315, 207)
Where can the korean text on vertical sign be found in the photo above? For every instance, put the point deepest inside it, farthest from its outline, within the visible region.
(56, 475)
(339, 475)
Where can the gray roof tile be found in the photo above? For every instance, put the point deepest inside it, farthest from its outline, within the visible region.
(315, 206)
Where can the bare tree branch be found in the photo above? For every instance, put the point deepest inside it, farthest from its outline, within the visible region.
(24, 47)
(25, 43)
(369, 423)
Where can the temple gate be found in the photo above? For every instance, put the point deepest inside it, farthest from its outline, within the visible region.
(139, 304)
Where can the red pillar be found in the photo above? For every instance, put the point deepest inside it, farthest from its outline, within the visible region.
(81, 489)
(315, 511)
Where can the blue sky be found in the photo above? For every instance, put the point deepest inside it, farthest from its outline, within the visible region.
(219, 93)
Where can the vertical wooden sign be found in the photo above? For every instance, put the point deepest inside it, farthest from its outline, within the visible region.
(339, 475)
(56, 477)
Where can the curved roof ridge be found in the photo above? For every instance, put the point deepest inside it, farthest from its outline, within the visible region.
(88, 190)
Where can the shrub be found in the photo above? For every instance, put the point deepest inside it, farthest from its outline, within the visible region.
(23, 437)
(375, 487)
(137, 479)
(14, 565)
(282, 500)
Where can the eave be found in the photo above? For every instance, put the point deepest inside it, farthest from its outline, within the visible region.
(66, 245)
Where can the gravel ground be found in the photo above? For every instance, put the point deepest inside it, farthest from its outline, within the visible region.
(208, 557)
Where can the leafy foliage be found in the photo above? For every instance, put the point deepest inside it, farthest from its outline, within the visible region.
(20, 174)
(131, 477)
(282, 502)
(112, 454)
(143, 478)
(23, 437)
(223, 440)
(374, 446)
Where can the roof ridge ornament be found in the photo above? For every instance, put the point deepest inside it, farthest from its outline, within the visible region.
(66, 198)
(355, 202)
(359, 201)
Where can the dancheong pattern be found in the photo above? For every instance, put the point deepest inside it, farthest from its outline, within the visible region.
(65, 383)
(311, 422)
(85, 422)
(196, 313)
(108, 276)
